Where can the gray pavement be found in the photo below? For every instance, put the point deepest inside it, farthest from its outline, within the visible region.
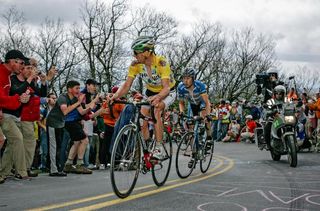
(241, 178)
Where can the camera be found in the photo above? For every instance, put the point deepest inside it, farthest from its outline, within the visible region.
(262, 78)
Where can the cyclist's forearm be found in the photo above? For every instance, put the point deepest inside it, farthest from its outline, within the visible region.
(181, 106)
(164, 92)
(124, 89)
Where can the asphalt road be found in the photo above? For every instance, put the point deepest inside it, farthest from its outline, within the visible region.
(240, 178)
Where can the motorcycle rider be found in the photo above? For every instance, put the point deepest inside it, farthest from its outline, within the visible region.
(278, 99)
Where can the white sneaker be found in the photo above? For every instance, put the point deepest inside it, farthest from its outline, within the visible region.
(158, 153)
(102, 167)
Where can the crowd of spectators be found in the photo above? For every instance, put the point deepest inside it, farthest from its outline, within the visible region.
(43, 132)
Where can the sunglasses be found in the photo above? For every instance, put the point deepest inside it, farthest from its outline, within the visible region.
(19, 62)
(137, 52)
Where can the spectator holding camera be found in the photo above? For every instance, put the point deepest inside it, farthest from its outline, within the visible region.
(26, 82)
(14, 152)
(90, 92)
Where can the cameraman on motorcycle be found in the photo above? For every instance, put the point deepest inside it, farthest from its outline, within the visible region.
(279, 98)
(266, 82)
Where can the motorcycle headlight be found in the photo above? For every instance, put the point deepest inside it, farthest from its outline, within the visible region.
(290, 119)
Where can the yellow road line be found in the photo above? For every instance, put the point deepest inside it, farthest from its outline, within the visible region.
(88, 199)
(148, 193)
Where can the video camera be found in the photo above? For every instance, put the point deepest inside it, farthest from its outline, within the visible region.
(262, 78)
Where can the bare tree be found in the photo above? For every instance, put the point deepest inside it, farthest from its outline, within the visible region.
(304, 80)
(148, 21)
(53, 45)
(248, 54)
(101, 37)
(15, 34)
(183, 52)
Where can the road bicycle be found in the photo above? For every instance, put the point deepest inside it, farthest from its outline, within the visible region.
(192, 148)
(131, 154)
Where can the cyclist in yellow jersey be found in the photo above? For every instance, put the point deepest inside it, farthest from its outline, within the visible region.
(156, 74)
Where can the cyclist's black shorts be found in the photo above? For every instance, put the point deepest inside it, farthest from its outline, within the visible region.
(196, 109)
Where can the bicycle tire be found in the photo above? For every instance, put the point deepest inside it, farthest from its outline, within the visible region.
(156, 174)
(184, 151)
(208, 154)
(125, 160)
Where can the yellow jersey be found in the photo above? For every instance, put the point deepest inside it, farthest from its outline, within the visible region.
(160, 69)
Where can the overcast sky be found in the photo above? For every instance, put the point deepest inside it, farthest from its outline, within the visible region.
(294, 23)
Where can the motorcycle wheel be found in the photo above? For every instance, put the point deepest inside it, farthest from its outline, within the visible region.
(292, 151)
(274, 156)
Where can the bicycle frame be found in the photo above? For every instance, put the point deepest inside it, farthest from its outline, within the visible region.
(136, 124)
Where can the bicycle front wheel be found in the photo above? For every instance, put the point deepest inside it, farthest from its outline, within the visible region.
(161, 168)
(125, 161)
(207, 158)
(185, 162)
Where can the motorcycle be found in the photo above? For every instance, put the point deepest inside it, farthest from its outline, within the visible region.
(283, 134)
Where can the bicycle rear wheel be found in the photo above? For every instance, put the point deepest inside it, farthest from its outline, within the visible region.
(208, 153)
(184, 160)
(125, 161)
(161, 169)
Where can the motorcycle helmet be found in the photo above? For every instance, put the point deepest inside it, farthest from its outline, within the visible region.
(279, 92)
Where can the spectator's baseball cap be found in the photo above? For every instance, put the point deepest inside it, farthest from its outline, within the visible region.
(92, 81)
(14, 54)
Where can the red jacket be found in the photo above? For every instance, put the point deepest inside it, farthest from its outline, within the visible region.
(6, 101)
(251, 125)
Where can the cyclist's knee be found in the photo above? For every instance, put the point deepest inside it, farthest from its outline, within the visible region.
(144, 125)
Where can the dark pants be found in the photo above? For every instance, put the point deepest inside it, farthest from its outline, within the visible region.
(214, 129)
(267, 133)
(64, 149)
(104, 148)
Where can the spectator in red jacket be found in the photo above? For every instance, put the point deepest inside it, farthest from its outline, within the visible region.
(248, 132)
(14, 152)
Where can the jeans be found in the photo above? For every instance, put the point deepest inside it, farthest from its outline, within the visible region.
(86, 158)
(214, 129)
(222, 130)
(43, 148)
(64, 149)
